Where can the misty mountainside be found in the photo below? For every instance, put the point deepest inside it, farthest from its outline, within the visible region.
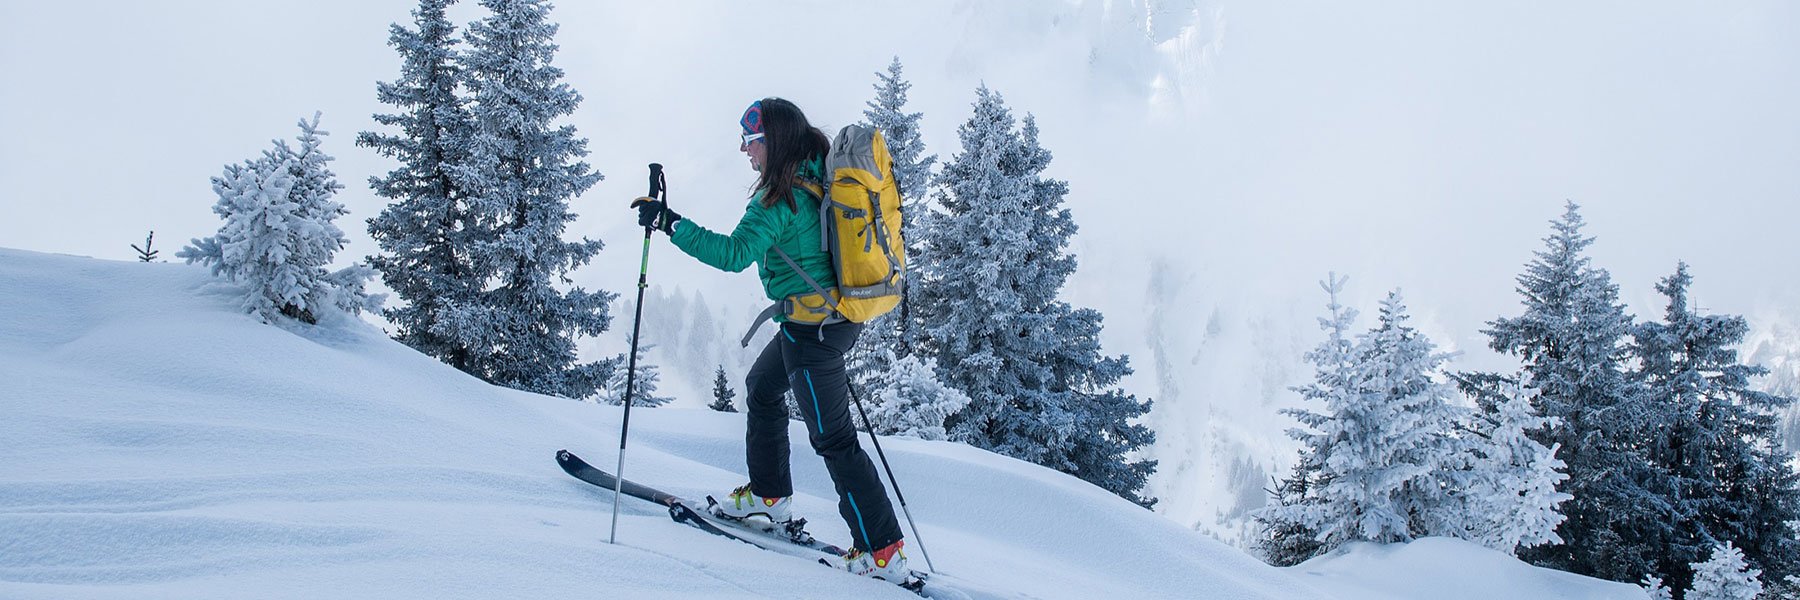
(1777, 347)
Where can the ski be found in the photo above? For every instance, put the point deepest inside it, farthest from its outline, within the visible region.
(679, 510)
(773, 537)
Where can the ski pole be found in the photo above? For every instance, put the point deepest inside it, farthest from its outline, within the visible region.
(658, 190)
(890, 473)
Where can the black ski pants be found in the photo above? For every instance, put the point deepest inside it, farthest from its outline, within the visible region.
(811, 363)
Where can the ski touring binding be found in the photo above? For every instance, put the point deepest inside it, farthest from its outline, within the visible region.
(792, 529)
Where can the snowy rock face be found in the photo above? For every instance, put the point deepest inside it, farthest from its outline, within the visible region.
(1776, 346)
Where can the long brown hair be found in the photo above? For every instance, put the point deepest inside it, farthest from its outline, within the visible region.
(790, 140)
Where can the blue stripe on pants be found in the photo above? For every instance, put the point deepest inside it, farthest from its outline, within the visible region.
(859, 522)
(815, 394)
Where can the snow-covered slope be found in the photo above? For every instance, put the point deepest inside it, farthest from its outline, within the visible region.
(1448, 569)
(161, 444)
(158, 443)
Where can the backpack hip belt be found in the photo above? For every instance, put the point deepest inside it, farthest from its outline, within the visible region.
(805, 309)
(818, 307)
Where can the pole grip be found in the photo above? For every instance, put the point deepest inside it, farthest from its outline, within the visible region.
(657, 185)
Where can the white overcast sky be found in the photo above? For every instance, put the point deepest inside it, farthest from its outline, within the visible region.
(1252, 145)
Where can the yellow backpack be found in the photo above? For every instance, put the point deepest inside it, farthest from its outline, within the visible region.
(860, 227)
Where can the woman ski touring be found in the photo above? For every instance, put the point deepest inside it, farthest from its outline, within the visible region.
(807, 353)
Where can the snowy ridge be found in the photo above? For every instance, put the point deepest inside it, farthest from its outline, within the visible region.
(160, 443)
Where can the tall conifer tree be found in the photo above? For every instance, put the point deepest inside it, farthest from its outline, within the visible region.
(522, 171)
(1571, 340)
(1039, 388)
(897, 329)
(1718, 439)
(427, 232)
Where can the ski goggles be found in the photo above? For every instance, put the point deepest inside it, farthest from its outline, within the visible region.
(751, 137)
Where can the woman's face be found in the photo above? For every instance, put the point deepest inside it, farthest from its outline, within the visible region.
(757, 150)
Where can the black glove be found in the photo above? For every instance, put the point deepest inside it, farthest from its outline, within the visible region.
(655, 214)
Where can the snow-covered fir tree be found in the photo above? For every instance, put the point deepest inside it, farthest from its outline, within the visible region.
(314, 191)
(250, 247)
(1407, 431)
(1781, 589)
(897, 329)
(1510, 499)
(907, 398)
(279, 237)
(427, 231)
(1725, 576)
(1716, 437)
(887, 112)
(1287, 538)
(1384, 447)
(1654, 588)
(522, 170)
(1294, 519)
(1570, 339)
(643, 386)
(1039, 388)
(722, 392)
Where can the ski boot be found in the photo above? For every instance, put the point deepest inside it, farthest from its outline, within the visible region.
(742, 504)
(887, 564)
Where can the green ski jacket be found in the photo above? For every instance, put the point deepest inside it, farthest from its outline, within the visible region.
(760, 231)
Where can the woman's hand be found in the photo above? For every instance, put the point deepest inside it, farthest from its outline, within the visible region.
(655, 214)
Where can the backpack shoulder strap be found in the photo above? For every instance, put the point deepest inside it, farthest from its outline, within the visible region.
(813, 283)
(817, 189)
(811, 186)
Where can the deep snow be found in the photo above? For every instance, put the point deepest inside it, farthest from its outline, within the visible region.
(158, 443)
